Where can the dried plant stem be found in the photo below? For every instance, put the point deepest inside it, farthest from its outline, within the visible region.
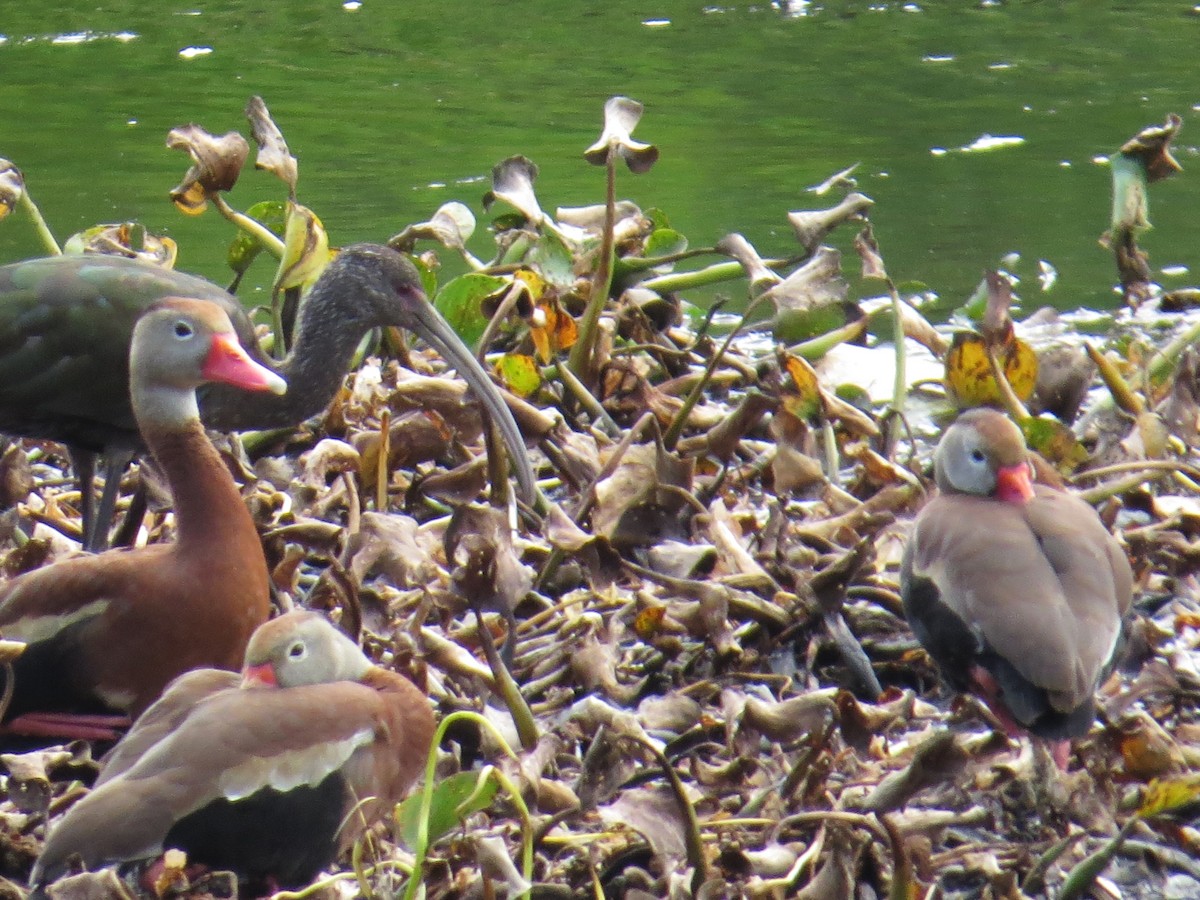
(693, 397)
(588, 400)
(581, 362)
(1137, 465)
(385, 453)
(39, 224)
(1012, 402)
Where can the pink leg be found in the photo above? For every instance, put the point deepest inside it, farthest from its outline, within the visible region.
(68, 726)
(1061, 752)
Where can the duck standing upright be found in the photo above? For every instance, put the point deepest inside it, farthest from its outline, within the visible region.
(107, 633)
(265, 777)
(1016, 590)
(65, 323)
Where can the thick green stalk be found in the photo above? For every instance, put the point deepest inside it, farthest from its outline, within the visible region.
(39, 224)
(582, 353)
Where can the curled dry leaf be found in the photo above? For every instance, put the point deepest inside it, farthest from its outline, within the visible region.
(562, 532)
(813, 226)
(102, 885)
(621, 116)
(792, 719)
(512, 182)
(392, 546)
(761, 277)
(451, 226)
(273, 154)
(216, 164)
(817, 283)
(653, 812)
(12, 187)
(484, 567)
(1152, 146)
(637, 503)
(868, 252)
(496, 862)
(128, 239)
(591, 218)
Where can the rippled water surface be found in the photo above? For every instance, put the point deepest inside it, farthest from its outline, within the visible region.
(979, 129)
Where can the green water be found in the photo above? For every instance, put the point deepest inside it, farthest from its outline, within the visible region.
(396, 107)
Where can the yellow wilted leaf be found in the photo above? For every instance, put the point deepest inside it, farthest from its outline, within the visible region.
(649, 621)
(520, 373)
(806, 400)
(969, 374)
(12, 187)
(1177, 796)
(1055, 441)
(553, 330)
(305, 249)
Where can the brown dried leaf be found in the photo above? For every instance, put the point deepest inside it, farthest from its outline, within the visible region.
(790, 720)
(102, 885)
(484, 567)
(812, 226)
(938, 759)
(817, 283)
(216, 164)
(562, 533)
(512, 182)
(1152, 146)
(273, 154)
(636, 503)
(868, 252)
(390, 545)
(654, 813)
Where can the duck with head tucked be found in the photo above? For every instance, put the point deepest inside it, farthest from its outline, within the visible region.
(269, 774)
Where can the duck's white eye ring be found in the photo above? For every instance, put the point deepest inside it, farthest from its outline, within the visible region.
(296, 651)
(183, 330)
(978, 455)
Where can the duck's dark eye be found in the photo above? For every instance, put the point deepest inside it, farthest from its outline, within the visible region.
(978, 456)
(183, 330)
(296, 651)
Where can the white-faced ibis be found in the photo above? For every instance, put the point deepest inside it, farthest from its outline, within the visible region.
(65, 323)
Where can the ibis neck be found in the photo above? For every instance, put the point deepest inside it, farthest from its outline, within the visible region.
(327, 334)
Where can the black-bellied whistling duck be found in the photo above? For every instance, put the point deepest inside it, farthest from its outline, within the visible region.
(65, 323)
(1016, 590)
(107, 633)
(258, 777)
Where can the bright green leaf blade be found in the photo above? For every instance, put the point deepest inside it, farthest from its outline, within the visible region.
(243, 249)
(446, 811)
(460, 302)
(553, 260)
(664, 242)
(520, 373)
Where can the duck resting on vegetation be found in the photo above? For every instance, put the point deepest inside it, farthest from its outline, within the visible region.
(107, 633)
(1016, 590)
(263, 774)
(65, 323)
